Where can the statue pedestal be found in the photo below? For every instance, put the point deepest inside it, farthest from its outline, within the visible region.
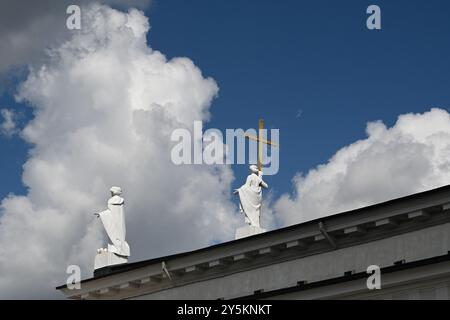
(248, 231)
(106, 258)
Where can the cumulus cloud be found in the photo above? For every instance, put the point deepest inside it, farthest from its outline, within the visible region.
(28, 28)
(412, 156)
(8, 127)
(105, 105)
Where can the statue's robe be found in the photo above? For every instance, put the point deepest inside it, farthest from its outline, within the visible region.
(113, 220)
(250, 198)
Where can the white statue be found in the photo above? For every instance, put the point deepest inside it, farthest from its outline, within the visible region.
(113, 220)
(250, 198)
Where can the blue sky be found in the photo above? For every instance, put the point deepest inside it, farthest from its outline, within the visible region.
(279, 59)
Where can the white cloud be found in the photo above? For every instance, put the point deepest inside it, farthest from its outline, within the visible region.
(8, 127)
(28, 28)
(105, 105)
(412, 156)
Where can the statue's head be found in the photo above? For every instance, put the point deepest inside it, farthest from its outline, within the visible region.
(254, 168)
(115, 191)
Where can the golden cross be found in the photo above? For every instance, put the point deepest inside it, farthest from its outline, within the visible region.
(260, 139)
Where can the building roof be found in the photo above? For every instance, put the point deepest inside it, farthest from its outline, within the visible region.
(340, 230)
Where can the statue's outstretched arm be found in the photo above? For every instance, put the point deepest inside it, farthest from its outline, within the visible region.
(263, 184)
